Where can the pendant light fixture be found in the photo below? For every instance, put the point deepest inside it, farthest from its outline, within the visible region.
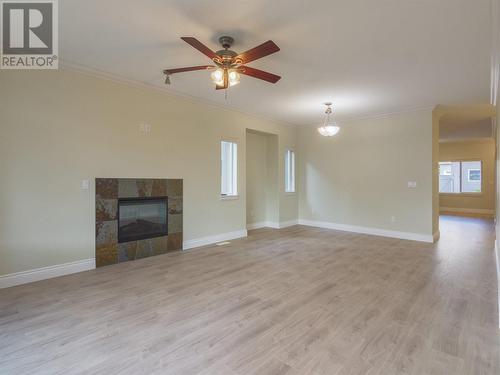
(329, 128)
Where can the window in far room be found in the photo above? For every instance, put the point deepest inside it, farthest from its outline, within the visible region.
(457, 177)
(471, 177)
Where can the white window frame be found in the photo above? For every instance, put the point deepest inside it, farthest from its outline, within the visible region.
(231, 190)
(290, 171)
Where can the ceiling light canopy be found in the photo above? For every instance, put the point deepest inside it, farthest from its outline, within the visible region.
(329, 128)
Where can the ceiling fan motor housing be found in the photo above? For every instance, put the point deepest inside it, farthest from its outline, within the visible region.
(226, 41)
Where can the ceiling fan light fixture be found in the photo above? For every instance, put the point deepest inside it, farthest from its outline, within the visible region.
(234, 77)
(329, 128)
(218, 77)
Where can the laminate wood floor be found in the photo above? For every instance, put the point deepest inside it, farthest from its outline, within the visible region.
(295, 301)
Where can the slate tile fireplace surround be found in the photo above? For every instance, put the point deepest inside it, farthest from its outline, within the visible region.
(137, 218)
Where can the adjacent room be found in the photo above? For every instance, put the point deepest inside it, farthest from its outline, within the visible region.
(467, 155)
(233, 188)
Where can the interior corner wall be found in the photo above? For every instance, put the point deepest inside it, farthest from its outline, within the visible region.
(288, 202)
(272, 184)
(58, 128)
(436, 117)
(497, 177)
(495, 90)
(360, 177)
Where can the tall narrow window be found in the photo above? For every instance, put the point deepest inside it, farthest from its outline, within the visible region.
(460, 177)
(229, 169)
(290, 171)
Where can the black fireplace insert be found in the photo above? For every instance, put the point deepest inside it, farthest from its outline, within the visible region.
(141, 218)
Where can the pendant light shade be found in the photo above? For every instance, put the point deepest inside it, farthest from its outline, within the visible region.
(329, 128)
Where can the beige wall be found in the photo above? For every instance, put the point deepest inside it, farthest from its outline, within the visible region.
(59, 127)
(262, 178)
(436, 115)
(497, 177)
(256, 170)
(360, 177)
(472, 150)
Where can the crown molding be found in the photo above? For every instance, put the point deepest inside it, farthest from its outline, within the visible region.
(96, 73)
(380, 115)
(395, 112)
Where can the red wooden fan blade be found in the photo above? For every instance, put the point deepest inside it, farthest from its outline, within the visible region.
(188, 69)
(226, 81)
(260, 74)
(199, 46)
(255, 53)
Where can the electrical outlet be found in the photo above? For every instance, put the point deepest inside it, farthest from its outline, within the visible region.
(393, 219)
(412, 184)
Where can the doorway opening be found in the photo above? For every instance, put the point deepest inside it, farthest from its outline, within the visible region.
(466, 161)
(262, 181)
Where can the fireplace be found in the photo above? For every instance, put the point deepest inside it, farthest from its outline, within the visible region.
(137, 218)
(142, 218)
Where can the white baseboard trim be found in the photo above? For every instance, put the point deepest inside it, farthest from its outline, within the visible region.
(43, 273)
(49, 272)
(368, 230)
(467, 210)
(263, 224)
(209, 240)
(497, 257)
(272, 224)
(286, 224)
(259, 225)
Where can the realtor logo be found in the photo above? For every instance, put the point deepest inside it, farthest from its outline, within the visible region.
(29, 34)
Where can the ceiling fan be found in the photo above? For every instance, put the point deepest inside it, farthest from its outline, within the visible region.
(228, 64)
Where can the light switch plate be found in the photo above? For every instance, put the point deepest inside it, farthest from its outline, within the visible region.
(145, 128)
(412, 184)
(85, 184)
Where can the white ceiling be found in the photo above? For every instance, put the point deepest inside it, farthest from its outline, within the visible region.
(367, 57)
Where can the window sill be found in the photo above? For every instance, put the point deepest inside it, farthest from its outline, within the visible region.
(229, 197)
(290, 192)
(461, 194)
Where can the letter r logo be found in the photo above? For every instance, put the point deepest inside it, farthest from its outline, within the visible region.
(27, 28)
